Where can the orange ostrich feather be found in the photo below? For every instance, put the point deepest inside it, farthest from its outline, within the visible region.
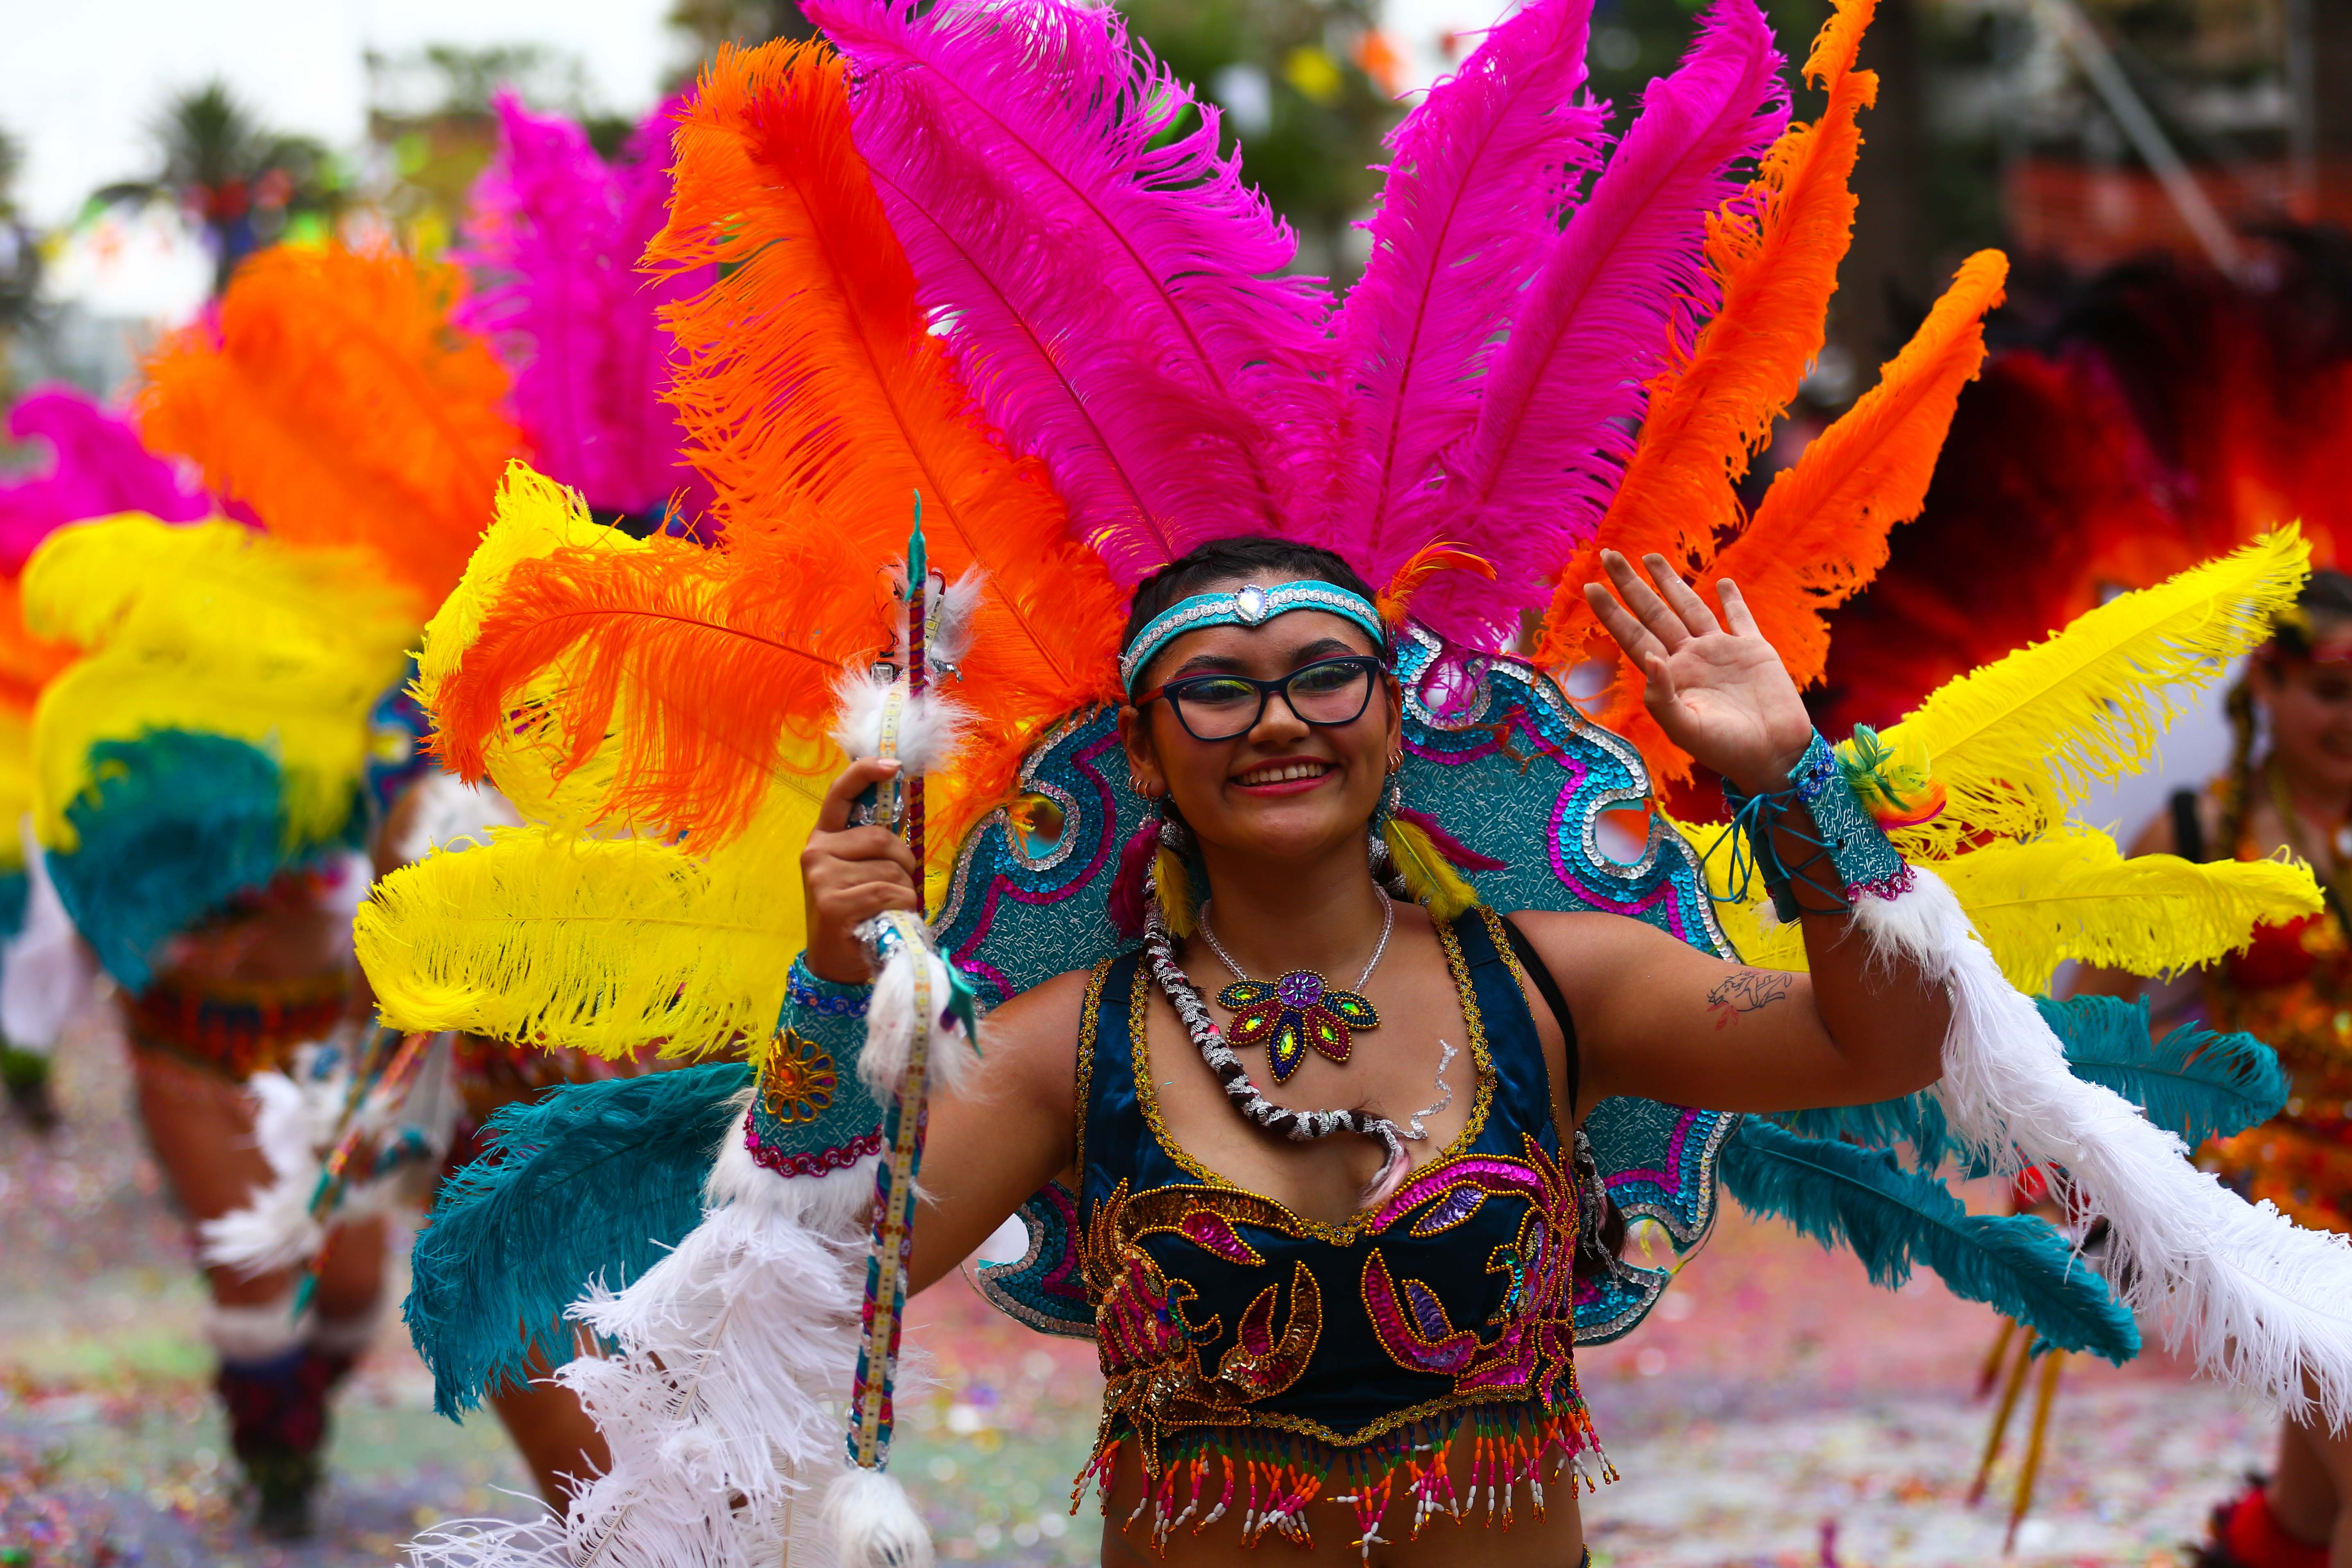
(1821, 533)
(331, 394)
(27, 663)
(819, 404)
(1775, 252)
(819, 400)
(700, 654)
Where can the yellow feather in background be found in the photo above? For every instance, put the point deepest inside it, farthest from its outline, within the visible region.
(2017, 741)
(2068, 894)
(543, 937)
(15, 785)
(210, 627)
(2071, 894)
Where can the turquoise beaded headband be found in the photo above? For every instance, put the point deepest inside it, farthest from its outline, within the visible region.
(1247, 606)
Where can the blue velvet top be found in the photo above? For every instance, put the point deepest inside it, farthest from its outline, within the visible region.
(1227, 1322)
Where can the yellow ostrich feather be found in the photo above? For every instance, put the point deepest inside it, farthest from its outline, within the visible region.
(15, 785)
(544, 937)
(216, 629)
(2071, 894)
(2017, 741)
(2067, 894)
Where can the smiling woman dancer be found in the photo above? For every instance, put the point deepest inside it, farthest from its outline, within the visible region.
(996, 257)
(1273, 742)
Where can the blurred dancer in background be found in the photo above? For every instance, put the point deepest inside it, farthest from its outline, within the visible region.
(2288, 789)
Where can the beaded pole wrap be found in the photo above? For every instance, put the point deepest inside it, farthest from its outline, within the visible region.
(883, 1315)
(1299, 1126)
(1845, 834)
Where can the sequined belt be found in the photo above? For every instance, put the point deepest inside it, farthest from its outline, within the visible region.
(239, 1033)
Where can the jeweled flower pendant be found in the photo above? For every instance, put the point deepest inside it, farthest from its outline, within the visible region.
(1299, 1010)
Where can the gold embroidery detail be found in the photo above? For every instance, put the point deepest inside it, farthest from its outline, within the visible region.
(798, 1080)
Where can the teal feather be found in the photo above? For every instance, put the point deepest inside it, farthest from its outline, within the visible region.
(177, 824)
(2194, 1082)
(1893, 1219)
(589, 1181)
(1916, 1120)
(16, 891)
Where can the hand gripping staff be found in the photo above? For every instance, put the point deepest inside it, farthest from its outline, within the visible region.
(916, 992)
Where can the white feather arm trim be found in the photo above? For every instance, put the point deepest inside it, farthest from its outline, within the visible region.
(722, 1411)
(294, 1118)
(890, 1024)
(2260, 1302)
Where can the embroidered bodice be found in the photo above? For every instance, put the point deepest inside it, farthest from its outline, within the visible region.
(1217, 1309)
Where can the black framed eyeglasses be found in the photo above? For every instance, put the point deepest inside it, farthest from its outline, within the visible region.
(1326, 693)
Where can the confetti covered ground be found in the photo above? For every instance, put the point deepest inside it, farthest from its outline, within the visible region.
(1777, 1410)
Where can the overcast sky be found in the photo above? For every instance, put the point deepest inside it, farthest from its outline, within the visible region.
(80, 79)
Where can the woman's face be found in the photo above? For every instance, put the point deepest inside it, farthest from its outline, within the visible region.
(1285, 790)
(2311, 721)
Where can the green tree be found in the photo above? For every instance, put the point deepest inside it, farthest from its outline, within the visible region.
(247, 183)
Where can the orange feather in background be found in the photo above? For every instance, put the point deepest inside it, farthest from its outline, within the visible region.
(1820, 535)
(1775, 253)
(818, 401)
(331, 395)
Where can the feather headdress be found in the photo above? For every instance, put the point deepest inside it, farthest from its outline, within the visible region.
(330, 393)
(553, 241)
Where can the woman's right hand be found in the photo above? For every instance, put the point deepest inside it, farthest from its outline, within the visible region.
(849, 875)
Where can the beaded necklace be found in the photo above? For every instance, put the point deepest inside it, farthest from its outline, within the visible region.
(1299, 1126)
(1301, 1008)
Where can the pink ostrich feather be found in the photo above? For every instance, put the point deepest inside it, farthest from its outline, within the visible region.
(1621, 288)
(1112, 298)
(553, 244)
(1478, 178)
(99, 466)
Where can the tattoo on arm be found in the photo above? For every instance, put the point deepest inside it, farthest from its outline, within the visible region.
(1746, 991)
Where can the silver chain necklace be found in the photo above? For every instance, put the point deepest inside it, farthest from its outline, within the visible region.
(1388, 926)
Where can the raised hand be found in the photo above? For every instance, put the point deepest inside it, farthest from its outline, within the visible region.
(1714, 686)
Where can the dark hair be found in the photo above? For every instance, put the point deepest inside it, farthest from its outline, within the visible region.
(2326, 600)
(1240, 555)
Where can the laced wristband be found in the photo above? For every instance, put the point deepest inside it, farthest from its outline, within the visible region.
(810, 1114)
(1860, 860)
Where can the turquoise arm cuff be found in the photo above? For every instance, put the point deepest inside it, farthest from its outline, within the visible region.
(1863, 861)
(810, 1114)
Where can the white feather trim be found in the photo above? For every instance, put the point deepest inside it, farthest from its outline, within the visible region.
(2261, 1301)
(951, 631)
(48, 976)
(724, 1411)
(890, 1024)
(294, 1121)
(930, 728)
(251, 1334)
(875, 1524)
(451, 814)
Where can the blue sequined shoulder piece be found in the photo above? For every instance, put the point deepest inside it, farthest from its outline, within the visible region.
(1497, 752)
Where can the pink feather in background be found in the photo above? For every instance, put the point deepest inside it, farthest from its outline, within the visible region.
(97, 467)
(1478, 179)
(1116, 303)
(1624, 286)
(553, 244)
